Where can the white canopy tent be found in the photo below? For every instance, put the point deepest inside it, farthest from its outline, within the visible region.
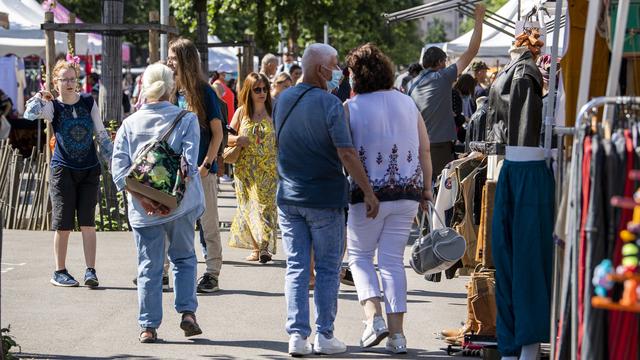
(24, 37)
(224, 55)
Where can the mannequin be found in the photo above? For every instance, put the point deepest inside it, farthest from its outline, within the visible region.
(522, 240)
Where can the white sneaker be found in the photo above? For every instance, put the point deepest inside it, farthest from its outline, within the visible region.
(226, 179)
(397, 344)
(374, 332)
(299, 346)
(325, 346)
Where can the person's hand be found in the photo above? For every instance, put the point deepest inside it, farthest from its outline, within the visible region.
(220, 163)
(153, 207)
(372, 204)
(479, 12)
(203, 171)
(242, 141)
(46, 95)
(427, 197)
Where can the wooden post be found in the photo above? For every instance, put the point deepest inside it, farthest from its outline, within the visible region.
(239, 55)
(172, 22)
(71, 36)
(50, 63)
(50, 54)
(247, 60)
(200, 7)
(154, 38)
(111, 100)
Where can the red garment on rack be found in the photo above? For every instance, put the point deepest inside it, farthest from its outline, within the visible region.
(623, 326)
(586, 186)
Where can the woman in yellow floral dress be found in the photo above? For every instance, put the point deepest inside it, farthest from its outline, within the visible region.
(255, 223)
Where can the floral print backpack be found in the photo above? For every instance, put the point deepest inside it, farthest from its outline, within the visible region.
(158, 171)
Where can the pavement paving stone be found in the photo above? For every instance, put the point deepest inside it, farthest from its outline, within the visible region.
(245, 320)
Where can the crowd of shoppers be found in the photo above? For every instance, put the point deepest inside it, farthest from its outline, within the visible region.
(331, 174)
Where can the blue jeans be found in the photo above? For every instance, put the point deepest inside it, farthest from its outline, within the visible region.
(150, 243)
(321, 230)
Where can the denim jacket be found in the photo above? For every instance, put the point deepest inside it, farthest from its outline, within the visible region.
(144, 126)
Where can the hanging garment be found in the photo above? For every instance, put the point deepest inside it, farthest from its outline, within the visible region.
(571, 62)
(586, 187)
(522, 247)
(484, 253)
(595, 320)
(515, 104)
(466, 227)
(623, 326)
(9, 78)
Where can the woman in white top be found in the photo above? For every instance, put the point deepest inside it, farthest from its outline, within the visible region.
(391, 138)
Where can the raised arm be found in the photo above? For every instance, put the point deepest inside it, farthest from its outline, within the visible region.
(476, 38)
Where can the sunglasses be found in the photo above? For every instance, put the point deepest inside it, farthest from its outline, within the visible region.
(260, 90)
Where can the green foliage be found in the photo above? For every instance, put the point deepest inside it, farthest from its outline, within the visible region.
(436, 33)
(492, 5)
(7, 343)
(351, 23)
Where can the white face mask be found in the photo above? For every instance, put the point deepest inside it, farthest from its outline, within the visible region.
(336, 76)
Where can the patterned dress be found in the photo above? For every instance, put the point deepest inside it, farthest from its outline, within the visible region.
(255, 223)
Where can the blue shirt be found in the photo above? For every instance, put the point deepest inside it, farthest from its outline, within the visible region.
(138, 130)
(73, 128)
(309, 169)
(212, 110)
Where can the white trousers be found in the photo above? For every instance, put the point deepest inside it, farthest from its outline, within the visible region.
(388, 234)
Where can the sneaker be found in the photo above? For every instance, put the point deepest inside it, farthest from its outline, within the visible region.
(226, 179)
(90, 278)
(208, 283)
(63, 278)
(346, 277)
(325, 346)
(397, 344)
(374, 332)
(299, 346)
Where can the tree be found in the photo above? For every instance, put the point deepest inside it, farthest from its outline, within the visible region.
(351, 23)
(436, 33)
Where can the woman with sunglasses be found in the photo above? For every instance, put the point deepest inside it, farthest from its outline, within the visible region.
(254, 225)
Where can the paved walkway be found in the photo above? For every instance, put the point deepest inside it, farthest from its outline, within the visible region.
(243, 321)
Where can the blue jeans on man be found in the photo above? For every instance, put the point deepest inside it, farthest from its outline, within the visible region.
(150, 243)
(321, 230)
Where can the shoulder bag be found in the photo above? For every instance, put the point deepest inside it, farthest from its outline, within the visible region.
(157, 172)
(231, 154)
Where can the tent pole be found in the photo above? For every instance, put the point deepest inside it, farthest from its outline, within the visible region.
(616, 58)
(549, 122)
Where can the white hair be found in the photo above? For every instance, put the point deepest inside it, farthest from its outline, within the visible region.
(268, 58)
(317, 54)
(157, 81)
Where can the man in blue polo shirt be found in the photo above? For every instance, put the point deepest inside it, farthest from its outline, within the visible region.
(314, 143)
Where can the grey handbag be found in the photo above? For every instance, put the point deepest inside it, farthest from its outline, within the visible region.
(438, 250)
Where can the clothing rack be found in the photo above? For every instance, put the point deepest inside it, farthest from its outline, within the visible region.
(573, 236)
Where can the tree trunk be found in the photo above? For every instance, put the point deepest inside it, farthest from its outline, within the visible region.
(293, 35)
(261, 28)
(200, 7)
(111, 86)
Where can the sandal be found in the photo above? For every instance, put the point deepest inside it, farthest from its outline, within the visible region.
(254, 256)
(265, 256)
(189, 324)
(148, 335)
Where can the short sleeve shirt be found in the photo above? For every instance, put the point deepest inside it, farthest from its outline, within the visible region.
(432, 94)
(212, 110)
(309, 169)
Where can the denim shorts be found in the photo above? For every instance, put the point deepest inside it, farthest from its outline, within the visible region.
(73, 192)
